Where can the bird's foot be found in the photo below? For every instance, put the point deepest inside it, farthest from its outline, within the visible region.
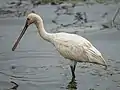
(72, 84)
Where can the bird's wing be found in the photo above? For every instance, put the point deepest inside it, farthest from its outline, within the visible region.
(94, 56)
(80, 50)
(71, 49)
(71, 39)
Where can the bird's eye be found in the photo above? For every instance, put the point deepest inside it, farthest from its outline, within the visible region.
(28, 19)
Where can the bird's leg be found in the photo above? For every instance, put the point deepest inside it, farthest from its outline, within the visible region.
(73, 66)
(72, 84)
(72, 70)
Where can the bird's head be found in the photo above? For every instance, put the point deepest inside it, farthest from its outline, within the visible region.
(32, 18)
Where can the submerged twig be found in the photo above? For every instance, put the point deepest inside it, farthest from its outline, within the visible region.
(114, 17)
(85, 19)
(11, 75)
(14, 87)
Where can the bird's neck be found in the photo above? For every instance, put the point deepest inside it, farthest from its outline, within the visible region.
(41, 30)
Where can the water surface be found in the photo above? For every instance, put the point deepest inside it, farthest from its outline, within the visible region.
(36, 65)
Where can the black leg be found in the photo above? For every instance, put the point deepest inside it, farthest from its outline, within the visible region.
(73, 66)
(72, 70)
(72, 84)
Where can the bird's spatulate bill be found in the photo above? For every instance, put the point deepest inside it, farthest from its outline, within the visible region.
(21, 35)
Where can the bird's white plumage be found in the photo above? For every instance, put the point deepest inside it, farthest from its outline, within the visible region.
(77, 48)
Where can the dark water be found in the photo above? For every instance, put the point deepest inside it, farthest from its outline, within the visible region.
(36, 65)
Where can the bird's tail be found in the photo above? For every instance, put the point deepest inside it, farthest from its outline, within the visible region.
(95, 56)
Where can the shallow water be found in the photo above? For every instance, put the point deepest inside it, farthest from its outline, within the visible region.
(36, 65)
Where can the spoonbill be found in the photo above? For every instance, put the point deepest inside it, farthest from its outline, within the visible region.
(70, 46)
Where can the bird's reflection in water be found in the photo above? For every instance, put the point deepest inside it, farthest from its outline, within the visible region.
(72, 84)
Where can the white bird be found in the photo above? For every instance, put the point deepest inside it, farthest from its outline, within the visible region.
(70, 46)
